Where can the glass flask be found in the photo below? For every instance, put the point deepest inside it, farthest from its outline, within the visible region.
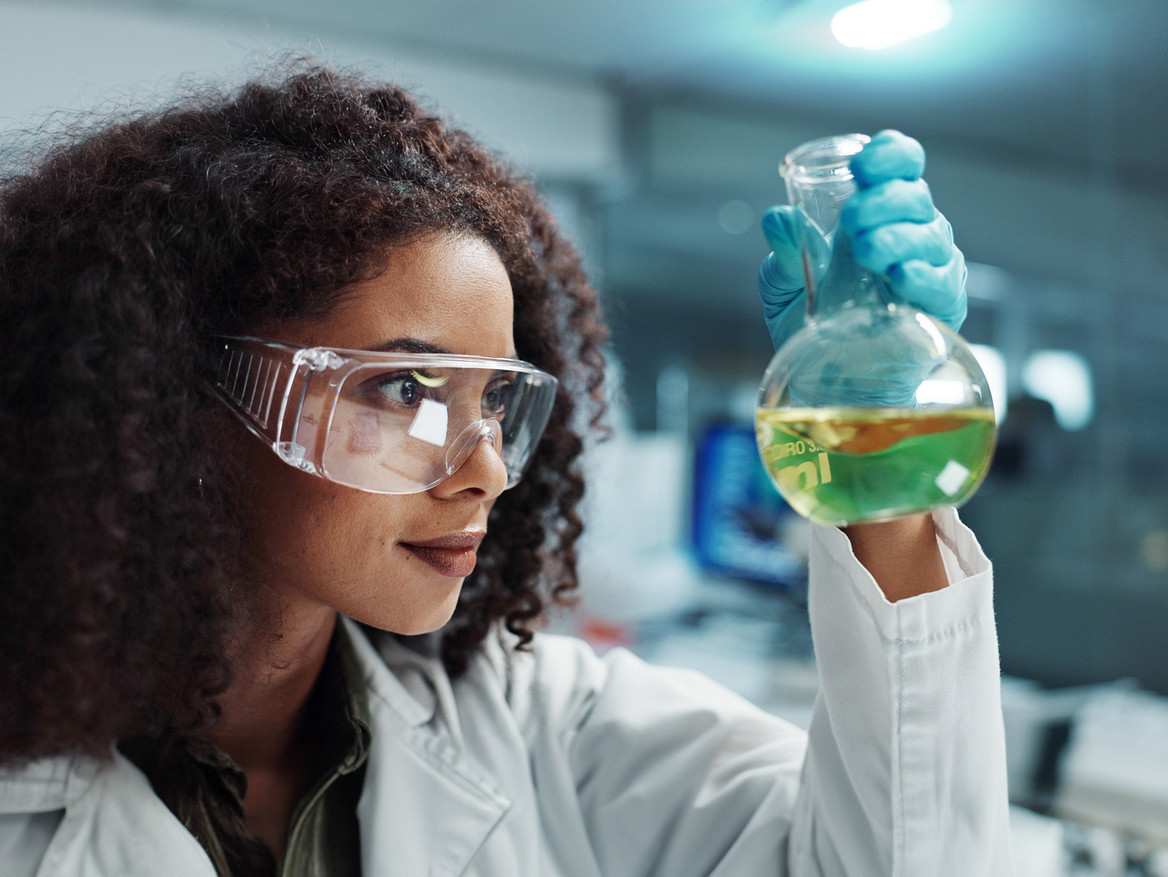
(873, 410)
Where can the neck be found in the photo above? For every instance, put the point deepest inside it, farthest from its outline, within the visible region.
(264, 709)
(263, 718)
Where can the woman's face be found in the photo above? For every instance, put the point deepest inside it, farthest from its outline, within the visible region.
(395, 562)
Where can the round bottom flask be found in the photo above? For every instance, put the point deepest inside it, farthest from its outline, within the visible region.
(873, 410)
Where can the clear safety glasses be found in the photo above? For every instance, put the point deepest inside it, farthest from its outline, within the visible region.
(383, 422)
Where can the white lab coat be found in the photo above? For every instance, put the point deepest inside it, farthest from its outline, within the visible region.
(561, 763)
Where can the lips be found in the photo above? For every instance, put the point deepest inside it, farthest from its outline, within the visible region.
(452, 555)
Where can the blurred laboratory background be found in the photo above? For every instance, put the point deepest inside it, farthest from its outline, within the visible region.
(654, 130)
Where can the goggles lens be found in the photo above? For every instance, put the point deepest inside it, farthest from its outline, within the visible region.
(384, 422)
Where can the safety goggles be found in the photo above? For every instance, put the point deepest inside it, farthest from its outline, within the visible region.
(383, 422)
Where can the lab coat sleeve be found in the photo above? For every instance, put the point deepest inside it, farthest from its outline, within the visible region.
(906, 770)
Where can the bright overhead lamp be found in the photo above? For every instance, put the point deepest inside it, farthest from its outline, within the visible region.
(877, 24)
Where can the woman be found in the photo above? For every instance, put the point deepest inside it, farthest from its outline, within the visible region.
(214, 662)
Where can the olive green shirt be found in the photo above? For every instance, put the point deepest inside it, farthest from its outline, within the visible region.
(205, 788)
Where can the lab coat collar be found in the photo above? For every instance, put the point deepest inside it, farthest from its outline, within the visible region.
(402, 679)
(426, 806)
(46, 784)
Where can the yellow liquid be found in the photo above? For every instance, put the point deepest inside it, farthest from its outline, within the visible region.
(849, 465)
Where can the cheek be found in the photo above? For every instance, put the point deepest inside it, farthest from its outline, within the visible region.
(340, 532)
(301, 527)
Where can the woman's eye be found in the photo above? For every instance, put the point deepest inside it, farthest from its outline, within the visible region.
(402, 389)
(409, 388)
(495, 399)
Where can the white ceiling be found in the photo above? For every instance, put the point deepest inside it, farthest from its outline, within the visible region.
(1075, 82)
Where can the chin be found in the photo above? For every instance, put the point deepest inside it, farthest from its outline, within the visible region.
(417, 619)
(420, 628)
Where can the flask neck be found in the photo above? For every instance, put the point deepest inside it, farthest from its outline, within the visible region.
(834, 278)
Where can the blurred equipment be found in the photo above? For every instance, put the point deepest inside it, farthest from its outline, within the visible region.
(1114, 771)
(740, 526)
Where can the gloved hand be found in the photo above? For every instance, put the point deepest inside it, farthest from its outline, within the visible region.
(896, 231)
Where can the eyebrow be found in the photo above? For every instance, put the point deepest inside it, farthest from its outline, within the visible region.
(415, 345)
(409, 345)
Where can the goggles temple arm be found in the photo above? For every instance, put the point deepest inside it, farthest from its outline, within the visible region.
(312, 360)
(292, 451)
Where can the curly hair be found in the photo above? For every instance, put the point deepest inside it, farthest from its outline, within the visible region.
(121, 249)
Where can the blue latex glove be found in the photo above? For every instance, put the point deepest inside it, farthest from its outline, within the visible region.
(896, 232)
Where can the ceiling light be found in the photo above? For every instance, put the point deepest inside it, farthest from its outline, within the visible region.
(877, 24)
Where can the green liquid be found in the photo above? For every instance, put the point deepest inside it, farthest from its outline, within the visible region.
(850, 465)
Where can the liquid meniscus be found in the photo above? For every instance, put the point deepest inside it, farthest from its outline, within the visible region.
(850, 465)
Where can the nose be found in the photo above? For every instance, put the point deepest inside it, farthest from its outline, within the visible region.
(476, 461)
